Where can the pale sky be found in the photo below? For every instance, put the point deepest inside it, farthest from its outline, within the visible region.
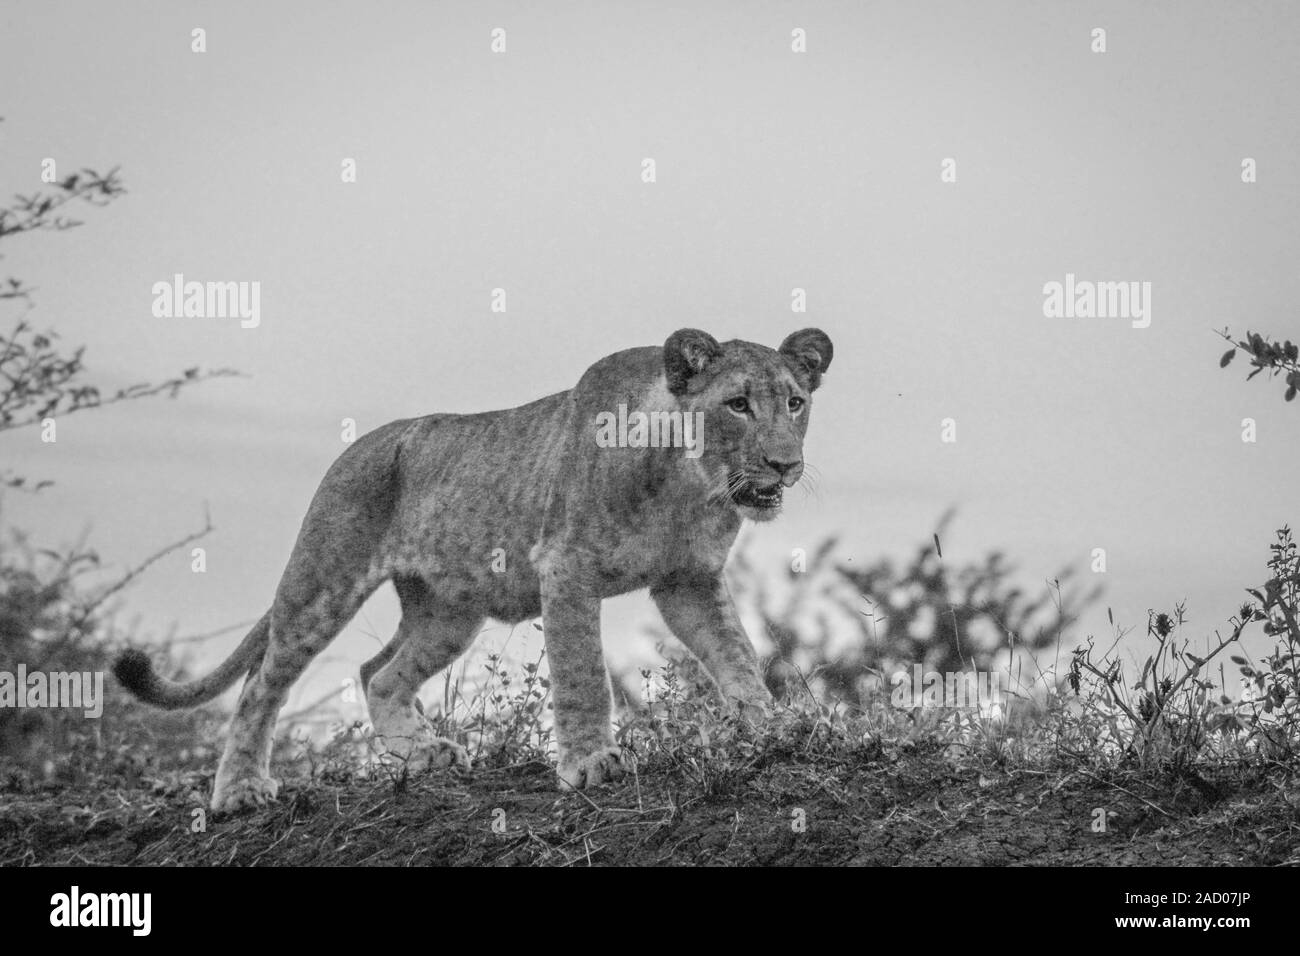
(775, 170)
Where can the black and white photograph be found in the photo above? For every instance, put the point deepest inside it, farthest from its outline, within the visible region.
(722, 434)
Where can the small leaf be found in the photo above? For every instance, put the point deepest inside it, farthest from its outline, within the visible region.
(1227, 357)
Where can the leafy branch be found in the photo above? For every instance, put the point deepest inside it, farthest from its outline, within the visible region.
(38, 379)
(1277, 358)
(41, 211)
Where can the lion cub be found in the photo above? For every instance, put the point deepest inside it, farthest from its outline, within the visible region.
(637, 477)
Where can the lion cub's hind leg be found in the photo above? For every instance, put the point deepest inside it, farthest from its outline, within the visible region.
(297, 636)
(427, 641)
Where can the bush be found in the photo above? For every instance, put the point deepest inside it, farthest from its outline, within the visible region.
(53, 619)
(847, 628)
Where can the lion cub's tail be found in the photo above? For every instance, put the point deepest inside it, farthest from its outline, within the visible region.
(135, 672)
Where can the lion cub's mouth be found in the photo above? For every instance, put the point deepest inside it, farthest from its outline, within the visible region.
(750, 495)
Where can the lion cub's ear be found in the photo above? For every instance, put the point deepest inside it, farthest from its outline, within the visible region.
(811, 351)
(688, 352)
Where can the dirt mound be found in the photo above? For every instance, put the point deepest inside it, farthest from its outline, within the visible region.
(904, 807)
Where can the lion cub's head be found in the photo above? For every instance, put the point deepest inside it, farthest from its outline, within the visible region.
(755, 403)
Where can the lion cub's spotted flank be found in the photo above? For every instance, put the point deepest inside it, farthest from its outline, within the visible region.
(426, 502)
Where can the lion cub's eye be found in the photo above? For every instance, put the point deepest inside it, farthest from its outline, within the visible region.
(739, 405)
(795, 404)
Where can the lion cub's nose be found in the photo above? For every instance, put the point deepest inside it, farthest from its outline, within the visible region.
(788, 470)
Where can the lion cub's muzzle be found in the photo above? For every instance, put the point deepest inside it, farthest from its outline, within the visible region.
(765, 493)
(752, 496)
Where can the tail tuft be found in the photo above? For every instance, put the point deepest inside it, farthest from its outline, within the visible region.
(134, 671)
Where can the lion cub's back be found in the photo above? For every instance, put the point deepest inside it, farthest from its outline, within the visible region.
(503, 454)
(471, 487)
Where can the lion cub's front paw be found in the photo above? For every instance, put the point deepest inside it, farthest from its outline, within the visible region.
(755, 711)
(423, 751)
(577, 771)
(249, 793)
(438, 752)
